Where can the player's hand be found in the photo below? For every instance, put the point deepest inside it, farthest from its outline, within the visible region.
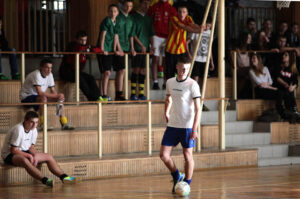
(35, 161)
(30, 157)
(212, 67)
(61, 96)
(144, 49)
(194, 135)
(292, 88)
(105, 52)
(167, 116)
(133, 52)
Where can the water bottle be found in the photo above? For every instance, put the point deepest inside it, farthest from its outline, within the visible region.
(59, 108)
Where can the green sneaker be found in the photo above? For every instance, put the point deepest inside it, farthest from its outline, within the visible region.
(100, 99)
(50, 182)
(3, 77)
(69, 180)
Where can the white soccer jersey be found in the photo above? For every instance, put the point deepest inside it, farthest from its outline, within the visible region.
(35, 78)
(19, 138)
(203, 47)
(183, 93)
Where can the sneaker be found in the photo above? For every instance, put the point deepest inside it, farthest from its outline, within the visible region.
(50, 182)
(69, 180)
(133, 97)
(106, 98)
(100, 99)
(204, 108)
(66, 127)
(155, 86)
(16, 76)
(3, 77)
(142, 97)
(180, 178)
(120, 98)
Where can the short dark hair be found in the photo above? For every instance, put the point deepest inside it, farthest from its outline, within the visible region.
(183, 5)
(184, 60)
(250, 19)
(112, 6)
(31, 114)
(141, 1)
(124, 1)
(81, 33)
(45, 61)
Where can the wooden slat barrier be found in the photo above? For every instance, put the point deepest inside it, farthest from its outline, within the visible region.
(285, 133)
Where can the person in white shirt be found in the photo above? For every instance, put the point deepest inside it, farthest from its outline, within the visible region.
(35, 88)
(182, 108)
(18, 150)
(263, 83)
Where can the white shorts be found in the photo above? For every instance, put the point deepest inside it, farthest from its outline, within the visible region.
(159, 44)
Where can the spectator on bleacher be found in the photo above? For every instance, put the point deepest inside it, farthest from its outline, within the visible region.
(268, 29)
(283, 29)
(243, 66)
(287, 81)
(293, 36)
(87, 82)
(12, 57)
(262, 82)
(161, 14)
(124, 30)
(176, 42)
(106, 40)
(35, 88)
(141, 39)
(262, 42)
(251, 27)
(201, 55)
(19, 150)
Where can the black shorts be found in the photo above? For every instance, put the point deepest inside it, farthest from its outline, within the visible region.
(105, 62)
(198, 69)
(119, 62)
(139, 61)
(8, 159)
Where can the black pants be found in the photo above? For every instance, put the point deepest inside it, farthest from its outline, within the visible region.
(288, 98)
(87, 84)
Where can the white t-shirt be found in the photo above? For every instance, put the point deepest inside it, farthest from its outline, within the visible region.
(257, 80)
(35, 78)
(183, 93)
(203, 47)
(18, 138)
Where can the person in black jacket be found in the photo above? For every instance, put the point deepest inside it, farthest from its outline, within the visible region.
(12, 57)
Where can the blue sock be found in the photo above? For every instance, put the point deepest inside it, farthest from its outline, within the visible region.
(187, 181)
(175, 175)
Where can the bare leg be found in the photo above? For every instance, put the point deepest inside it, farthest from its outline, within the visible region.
(165, 156)
(105, 80)
(119, 80)
(189, 162)
(21, 161)
(51, 163)
(155, 60)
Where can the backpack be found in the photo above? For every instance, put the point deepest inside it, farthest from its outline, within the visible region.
(269, 115)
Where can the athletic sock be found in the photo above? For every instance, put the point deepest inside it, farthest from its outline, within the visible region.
(141, 84)
(175, 175)
(63, 176)
(134, 78)
(187, 181)
(63, 120)
(119, 93)
(44, 180)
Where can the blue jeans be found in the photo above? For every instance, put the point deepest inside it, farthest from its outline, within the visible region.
(12, 61)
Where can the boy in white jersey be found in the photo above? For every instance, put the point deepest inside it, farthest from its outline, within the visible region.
(18, 150)
(182, 118)
(35, 87)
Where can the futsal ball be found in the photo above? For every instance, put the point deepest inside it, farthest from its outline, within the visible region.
(182, 188)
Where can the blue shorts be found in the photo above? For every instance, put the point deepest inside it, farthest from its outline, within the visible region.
(31, 99)
(173, 136)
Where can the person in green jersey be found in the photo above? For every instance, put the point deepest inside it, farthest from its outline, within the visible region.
(142, 36)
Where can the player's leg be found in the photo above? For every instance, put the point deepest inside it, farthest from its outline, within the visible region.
(187, 145)
(119, 67)
(155, 61)
(134, 78)
(141, 77)
(54, 167)
(106, 64)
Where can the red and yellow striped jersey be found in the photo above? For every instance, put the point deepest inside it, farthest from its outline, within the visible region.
(176, 42)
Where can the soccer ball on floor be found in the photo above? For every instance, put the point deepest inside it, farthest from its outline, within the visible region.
(182, 188)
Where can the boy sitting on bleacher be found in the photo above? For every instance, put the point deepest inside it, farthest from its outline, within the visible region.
(34, 90)
(18, 150)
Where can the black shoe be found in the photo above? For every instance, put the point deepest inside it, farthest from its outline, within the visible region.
(155, 86)
(164, 86)
(120, 98)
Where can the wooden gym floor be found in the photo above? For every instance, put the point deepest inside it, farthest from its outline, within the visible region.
(242, 183)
